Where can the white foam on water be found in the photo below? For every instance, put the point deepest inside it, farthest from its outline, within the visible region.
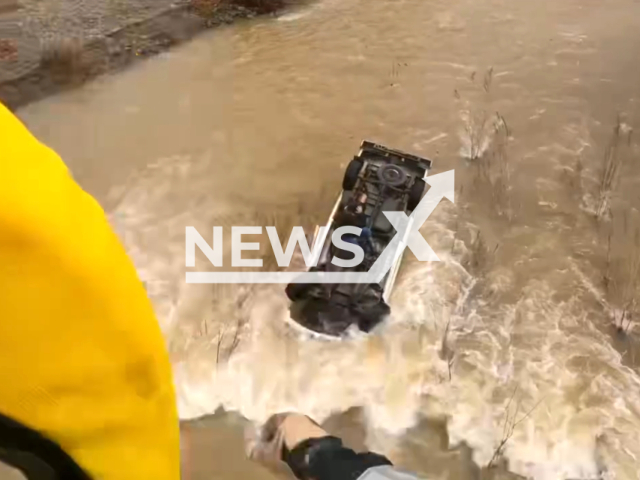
(293, 16)
(539, 363)
(541, 346)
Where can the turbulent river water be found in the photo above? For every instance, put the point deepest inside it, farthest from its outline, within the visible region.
(508, 344)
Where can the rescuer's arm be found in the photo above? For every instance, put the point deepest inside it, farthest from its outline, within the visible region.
(312, 453)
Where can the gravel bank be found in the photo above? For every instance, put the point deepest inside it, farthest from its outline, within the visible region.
(46, 47)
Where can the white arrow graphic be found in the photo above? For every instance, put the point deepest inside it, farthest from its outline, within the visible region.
(408, 228)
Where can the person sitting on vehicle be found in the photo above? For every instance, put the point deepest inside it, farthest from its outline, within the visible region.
(366, 241)
(353, 214)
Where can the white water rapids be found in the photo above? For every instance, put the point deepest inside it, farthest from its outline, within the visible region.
(252, 124)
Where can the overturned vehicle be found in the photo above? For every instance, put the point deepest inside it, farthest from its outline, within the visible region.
(377, 180)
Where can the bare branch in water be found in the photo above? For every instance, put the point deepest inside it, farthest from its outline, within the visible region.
(476, 131)
(236, 339)
(444, 345)
(606, 278)
(446, 352)
(494, 171)
(510, 424)
(504, 123)
(622, 274)
(528, 414)
(219, 346)
(488, 80)
(478, 254)
(506, 421)
(610, 172)
(450, 364)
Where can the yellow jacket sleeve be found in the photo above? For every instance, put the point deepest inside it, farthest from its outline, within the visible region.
(82, 359)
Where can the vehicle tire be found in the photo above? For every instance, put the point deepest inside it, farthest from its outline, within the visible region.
(373, 317)
(296, 291)
(392, 175)
(415, 194)
(351, 174)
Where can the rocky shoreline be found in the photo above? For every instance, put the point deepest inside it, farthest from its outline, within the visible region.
(69, 62)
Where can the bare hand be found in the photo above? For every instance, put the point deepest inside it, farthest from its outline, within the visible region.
(284, 429)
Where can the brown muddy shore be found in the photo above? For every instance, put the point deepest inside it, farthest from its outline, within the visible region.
(68, 62)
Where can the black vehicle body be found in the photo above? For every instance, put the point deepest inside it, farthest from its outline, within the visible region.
(377, 180)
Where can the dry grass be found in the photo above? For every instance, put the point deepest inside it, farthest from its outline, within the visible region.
(610, 173)
(621, 276)
(493, 172)
(485, 140)
(63, 59)
(227, 342)
(8, 50)
(573, 177)
(613, 162)
(477, 128)
(479, 256)
(446, 351)
(620, 222)
(205, 8)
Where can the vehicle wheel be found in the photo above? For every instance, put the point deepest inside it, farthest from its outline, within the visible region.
(372, 317)
(392, 175)
(351, 175)
(415, 194)
(296, 291)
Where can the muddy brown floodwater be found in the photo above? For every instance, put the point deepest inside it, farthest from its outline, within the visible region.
(510, 337)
